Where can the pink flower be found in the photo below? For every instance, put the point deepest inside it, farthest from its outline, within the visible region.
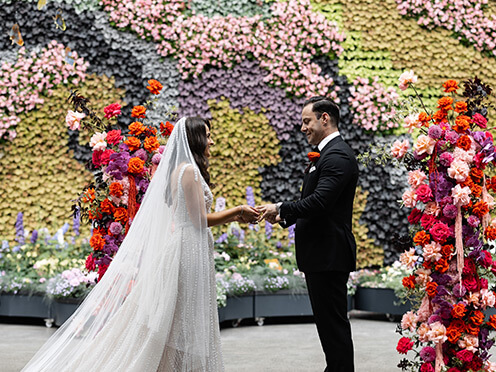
(407, 78)
(424, 193)
(458, 170)
(409, 198)
(440, 232)
(479, 120)
(432, 208)
(465, 356)
(490, 366)
(461, 195)
(112, 110)
(487, 298)
(423, 331)
(445, 159)
(416, 178)
(400, 148)
(437, 332)
(412, 121)
(469, 342)
(408, 258)
(424, 144)
(423, 277)
(432, 251)
(428, 354)
(97, 141)
(409, 321)
(114, 136)
(73, 119)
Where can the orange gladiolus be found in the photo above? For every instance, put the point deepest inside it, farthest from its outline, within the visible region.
(154, 86)
(135, 165)
(133, 143)
(151, 144)
(450, 86)
(138, 112)
(136, 128)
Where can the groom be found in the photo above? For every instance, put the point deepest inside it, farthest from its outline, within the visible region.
(325, 246)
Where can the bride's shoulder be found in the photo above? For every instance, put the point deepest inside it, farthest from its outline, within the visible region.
(187, 172)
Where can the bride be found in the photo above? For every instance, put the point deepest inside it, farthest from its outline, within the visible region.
(155, 308)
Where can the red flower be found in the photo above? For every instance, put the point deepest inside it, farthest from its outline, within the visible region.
(90, 263)
(477, 318)
(464, 142)
(459, 310)
(404, 345)
(427, 221)
(409, 282)
(440, 232)
(97, 242)
(313, 156)
(465, 356)
(427, 367)
(415, 216)
(480, 209)
(116, 189)
(112, 110)
(102, 269)
(424, 193)
(113, 137)
(133, 143)
(166, 129)
(151, 144)
(462, 123)
(136, 128)
(471, 283)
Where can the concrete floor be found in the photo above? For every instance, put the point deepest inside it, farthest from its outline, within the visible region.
(277, 346)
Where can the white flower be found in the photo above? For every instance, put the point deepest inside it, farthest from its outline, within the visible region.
(97, 141)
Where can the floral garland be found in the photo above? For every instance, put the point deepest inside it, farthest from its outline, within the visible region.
(124, 167)
(466, 19)
(22, 82)
(285, 43)
(450, 226)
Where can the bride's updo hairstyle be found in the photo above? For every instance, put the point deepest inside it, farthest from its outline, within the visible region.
(197, 141)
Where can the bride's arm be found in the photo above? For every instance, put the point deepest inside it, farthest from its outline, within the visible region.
(242, 213)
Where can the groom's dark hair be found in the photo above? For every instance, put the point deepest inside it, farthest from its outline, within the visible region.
(323, 104)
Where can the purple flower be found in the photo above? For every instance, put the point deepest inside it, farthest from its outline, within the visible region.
(291, 234)
(250, 196)
(118, 164)
(143, 185)
(140, 153)
(278, 245)
(428, 354)
(268, 229)
(222, 238)
(5, 245)
(473, 221)
(450, 211)
(419, 157)
(76, 222)
(156, 159)
(451, 136)
(459, 290)
(34, 236)
(434, 318)
(105, 260)
(446, 159)
(435, 132)
(115, 228)
(19, 226)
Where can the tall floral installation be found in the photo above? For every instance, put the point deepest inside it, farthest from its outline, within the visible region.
(449, 254)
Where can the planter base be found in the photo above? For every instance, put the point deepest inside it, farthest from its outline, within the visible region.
(24, 306)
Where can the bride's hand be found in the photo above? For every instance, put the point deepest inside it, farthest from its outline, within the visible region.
(247, 214)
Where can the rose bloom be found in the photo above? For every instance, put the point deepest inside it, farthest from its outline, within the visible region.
(435, 132)
(450, 211)
(424, 144)
(407, 78)
(112, 110)
(97, 141)
(73, 119)
(461, 107)
(473, 298)
(408, 258)
(154, 86)
(400, 148)
(422, 332)
(461, 195)
(409, 198)
(412, 121)
(446, 159)
(432, 208)
(404, 345)
(487, 298)
(114, 136)
(423, 276)
(409, 321)
(479, 120)
(440, 232)
(466, 156)
(416, 178)
(427, 367)
(458, 170)
(432, 251)
(464, 355)
(424, 193)
(437, 332)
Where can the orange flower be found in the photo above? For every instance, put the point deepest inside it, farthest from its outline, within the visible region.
(464, 142)
(136, 128)
(138, 112)
(472, 329)
(490, 233)
(445, 103)
(409, 282)
(477, 318)
(135, 165)
(480, 209)
(458, 310)
(441, 265)
(461, 107)
(97, 242)
(94, 215)
(462, 123)
(116, 189)
(154, 86)
(421, 238)
(431, 289)
(424, 119)
(476, 190)
(476, 174)
(313, 156)
(166, 129)
(150, 132)
(88, 196)
(106, 206)
(453, 334)
(120, 215)
(447, 250)
(440, 116)
(492, 321)
(151, 144)
(450, 86)
(133, 143)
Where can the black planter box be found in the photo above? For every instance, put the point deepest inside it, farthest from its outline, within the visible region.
(25, 306)
(62, 309)
(237, 308)
(282, 303)
(379, 300)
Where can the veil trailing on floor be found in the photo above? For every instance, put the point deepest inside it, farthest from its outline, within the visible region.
(153, 309)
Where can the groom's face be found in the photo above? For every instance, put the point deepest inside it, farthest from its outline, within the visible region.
(311, 126)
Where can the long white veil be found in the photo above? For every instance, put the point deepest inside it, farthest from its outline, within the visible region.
(154, 309)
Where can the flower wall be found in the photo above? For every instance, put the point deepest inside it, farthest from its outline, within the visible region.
(247, 65)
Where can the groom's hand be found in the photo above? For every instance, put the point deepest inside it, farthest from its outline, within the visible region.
(269, 212)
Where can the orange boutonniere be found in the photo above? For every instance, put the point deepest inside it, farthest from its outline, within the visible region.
(313, 156)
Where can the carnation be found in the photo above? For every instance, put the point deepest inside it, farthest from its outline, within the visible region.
(97, 141)
(400, 148)
(450, 211)
(435, 132)
(112, 110)
(446, 159)
(479, 120)
(404, 345)
(407, 78)
(424, 193)
(451, 136)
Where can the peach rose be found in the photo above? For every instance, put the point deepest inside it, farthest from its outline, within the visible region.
(409, 321)
(487, 298)
(422, 332)
(97, 141)
(458, 170)
(432, 208)
(400, 148)
(437, 333)
(73, 119)
(474, 299)
(461, 195)
(409, 198)
(416, 178)
(423, 276)
(432, 251)
(469, 342)
(407, 78)
(408, 258)
(412, 121)
(490, 366)
(424, 144)
(466, 156)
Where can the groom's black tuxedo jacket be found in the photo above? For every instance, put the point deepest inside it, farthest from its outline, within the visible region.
(324, 240)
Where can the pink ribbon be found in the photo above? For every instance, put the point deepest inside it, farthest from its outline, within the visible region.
(485, 218)
(439, 357)
(459, 242)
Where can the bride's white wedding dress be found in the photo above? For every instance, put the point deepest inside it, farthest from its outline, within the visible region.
(155, 309)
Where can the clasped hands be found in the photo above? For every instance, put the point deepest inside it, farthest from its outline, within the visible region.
(256, 214)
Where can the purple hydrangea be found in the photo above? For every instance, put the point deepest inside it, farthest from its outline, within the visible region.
(118, 165)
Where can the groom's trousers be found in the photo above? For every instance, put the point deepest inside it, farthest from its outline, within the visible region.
(328, 296)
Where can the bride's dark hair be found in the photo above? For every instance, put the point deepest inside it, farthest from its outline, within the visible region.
(197, 141)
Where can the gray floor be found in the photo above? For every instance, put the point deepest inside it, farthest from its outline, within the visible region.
(248, 348)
